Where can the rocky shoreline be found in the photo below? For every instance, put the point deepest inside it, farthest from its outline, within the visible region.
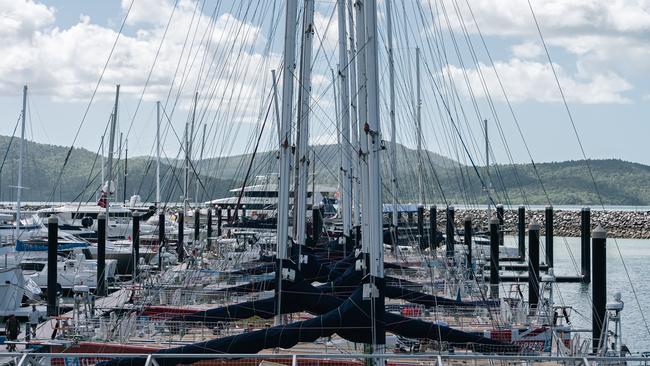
(619, 224)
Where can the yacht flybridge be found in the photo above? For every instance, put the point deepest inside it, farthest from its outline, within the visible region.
(81, 220)
(261, 197)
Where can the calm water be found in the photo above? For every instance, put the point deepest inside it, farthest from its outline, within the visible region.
(636, 256)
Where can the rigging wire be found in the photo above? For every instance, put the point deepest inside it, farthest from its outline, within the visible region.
(83, 119)
(586, 160)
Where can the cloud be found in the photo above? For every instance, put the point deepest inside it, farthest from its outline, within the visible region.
(513, 17)
(325, 139)
(65, 63)
(327, 31)
(147, 11)
(605, 42)
(21, 18)
(527, 50)
(604, 35)
(533, 81)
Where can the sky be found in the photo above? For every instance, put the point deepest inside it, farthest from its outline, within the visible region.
(480, 59)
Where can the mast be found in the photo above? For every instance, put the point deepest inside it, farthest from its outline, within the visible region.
(354, 167)
(337, 119)
(187, 166)
(285, 144)
(157, 153)
(111, 145)
(302, 137)
(196, 193)
(119, 158)
(188, 152)
(393, 131)
(276, 105)
(126, 171)
(344, 110)
(374, 209)
(19, 186)
(418, 116)
(313, 178)
(362, 105)
(102, 162)
(488, 184)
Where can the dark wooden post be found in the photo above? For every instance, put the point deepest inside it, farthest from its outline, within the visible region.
(548, 228)
(101, 255)
(521, 231)
(599, 285)
(585, 244)
(533, 265)
(180, 250)
(494, 258)
(468, 242)
(135, 237)
(52, 246)
(449, 232)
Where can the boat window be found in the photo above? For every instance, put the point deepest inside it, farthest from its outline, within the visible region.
(251, 206)
(27, 266)
(260, 193)
(81, 215)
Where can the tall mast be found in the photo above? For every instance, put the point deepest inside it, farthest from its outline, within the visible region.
(103, 163)
(362, 105)
(285, 143)
(158, 153)
(19, 186)
(488, 184)
(190, 146)
(126, 169)
(393, 131)
(374, 209)
(111, 145)
(344, 110)
(119, 158)
(302, 137)
(354, 169)
(276, 105)
(196, 192)
(337, 118)
(313, 177)
(187, 165)
(418, 116)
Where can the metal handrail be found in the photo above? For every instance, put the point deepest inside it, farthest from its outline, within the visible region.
(419, 356)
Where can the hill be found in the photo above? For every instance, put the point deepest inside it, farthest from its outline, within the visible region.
(81, 178)
(619, 182)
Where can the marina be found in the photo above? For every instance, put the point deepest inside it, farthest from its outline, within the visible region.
(317, 183)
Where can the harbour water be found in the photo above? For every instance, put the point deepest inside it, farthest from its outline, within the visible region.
(635, 254)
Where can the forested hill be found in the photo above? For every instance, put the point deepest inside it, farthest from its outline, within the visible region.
(567, 183)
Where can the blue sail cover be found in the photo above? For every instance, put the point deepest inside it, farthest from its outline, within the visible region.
(41, 246)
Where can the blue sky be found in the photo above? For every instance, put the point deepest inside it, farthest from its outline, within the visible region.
(600, 50)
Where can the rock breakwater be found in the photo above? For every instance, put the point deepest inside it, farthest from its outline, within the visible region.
(619, 224)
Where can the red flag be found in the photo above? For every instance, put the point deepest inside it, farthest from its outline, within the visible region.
(102, 201)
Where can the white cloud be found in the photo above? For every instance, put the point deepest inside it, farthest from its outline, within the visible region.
(147, 11)
(21, 18)
(65, 63)
(324, 139)
(605, 41)
(601, 34)
(513, 17)
(530, 80)
(327, 30)
(527, 50)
